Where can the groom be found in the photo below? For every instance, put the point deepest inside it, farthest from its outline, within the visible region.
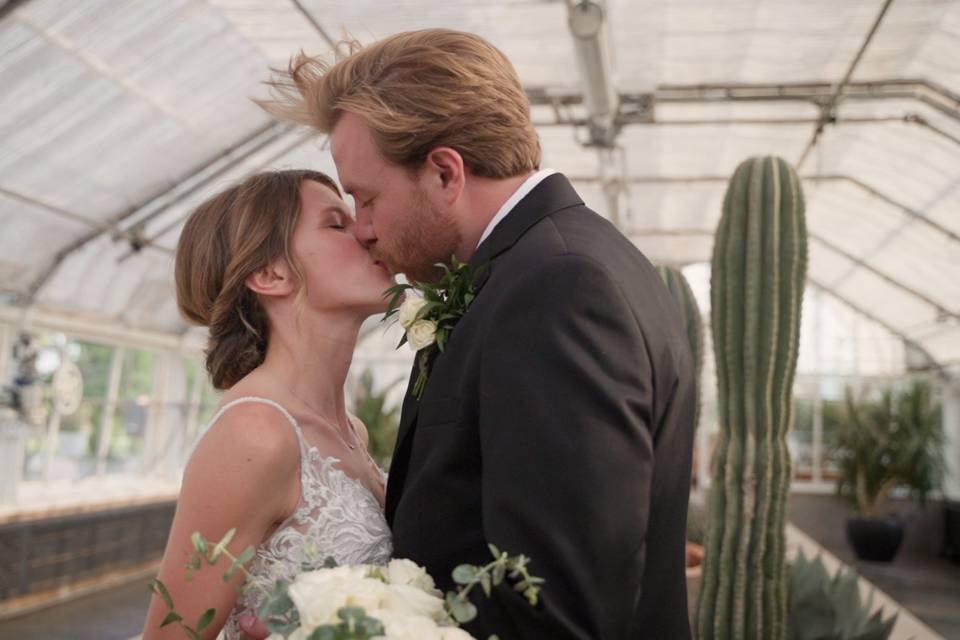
(558, 422)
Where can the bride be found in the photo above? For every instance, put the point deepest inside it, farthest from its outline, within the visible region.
(273, 268)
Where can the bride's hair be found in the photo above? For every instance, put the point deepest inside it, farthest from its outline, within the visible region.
(225, 240)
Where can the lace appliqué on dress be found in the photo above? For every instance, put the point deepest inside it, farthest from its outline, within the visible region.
(337, 517)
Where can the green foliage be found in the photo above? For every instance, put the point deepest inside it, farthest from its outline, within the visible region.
(886, 440)
(355, 625)
(757, 281)
(692, 320)
(825, 608)
(381, 420)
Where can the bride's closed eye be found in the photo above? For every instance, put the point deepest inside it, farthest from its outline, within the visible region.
(337, 220)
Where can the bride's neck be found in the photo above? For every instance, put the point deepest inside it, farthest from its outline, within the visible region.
(311, 361)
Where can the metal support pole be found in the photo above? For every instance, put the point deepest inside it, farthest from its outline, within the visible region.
(6, 348)
(951, 436)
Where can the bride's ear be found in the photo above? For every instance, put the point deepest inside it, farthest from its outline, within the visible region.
(274, 279)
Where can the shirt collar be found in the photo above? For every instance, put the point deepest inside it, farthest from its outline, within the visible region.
(512, 201)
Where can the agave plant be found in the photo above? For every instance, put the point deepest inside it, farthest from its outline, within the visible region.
(894, 439)
(829, 608)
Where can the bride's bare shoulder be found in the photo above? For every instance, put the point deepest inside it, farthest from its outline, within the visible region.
(248, 433)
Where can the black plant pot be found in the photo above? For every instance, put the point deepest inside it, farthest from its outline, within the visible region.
(875, 539)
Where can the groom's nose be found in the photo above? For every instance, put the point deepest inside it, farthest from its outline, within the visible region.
(363, 229)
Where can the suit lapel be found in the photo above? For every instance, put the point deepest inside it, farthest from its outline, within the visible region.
(552, 194)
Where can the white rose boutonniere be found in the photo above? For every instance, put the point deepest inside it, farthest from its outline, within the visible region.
(409, 309)
(429, 312)
(421, 334)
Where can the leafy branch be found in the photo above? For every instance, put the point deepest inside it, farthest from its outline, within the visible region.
(488, 576)
(277, 609)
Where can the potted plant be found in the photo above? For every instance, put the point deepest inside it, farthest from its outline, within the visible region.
(887, 441)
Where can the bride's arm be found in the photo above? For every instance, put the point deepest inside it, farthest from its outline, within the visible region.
(243, 474)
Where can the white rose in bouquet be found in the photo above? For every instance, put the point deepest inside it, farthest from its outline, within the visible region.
(408, 600)
(411, 627)
(403, 571)
(401, 596)
(318, 595)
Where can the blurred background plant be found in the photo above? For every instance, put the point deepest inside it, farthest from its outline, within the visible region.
(830, 608)
(888, 440)
(382, 419)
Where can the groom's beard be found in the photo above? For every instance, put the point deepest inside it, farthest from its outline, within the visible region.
(425, 237)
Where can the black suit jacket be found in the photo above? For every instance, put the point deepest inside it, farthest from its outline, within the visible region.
(558, 423)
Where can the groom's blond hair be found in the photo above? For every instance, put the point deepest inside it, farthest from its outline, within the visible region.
(416, 91)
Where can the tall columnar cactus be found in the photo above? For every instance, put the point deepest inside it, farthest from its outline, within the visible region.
(759, 268)
(682, 294)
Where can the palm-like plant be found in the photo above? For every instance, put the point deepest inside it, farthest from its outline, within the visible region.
(370, 406)
(889, 441)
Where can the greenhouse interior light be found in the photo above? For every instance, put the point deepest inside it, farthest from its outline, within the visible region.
(588, 25)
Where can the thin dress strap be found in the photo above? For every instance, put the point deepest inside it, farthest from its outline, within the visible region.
(275, 405)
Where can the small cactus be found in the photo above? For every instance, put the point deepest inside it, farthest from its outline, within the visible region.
(682, 294)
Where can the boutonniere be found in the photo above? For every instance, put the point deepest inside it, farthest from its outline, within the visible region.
(428, 312)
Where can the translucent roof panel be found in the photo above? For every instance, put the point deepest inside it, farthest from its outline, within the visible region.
(117, 118)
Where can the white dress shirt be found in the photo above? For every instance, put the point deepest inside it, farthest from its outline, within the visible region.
(512, 201)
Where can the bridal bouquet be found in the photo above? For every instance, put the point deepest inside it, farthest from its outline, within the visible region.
(398, 601)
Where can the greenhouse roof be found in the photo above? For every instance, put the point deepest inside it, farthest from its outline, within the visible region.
(117, 117)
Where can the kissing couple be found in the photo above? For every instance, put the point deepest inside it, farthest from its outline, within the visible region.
(557, 422)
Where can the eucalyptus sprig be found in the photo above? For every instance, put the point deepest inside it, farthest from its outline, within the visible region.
(203, 549)
(277, 610)
(488, 576)
(439, 307)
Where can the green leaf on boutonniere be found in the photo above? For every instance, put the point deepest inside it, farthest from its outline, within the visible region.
(432, 312)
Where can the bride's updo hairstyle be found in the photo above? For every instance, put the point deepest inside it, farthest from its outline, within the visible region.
(226, 239)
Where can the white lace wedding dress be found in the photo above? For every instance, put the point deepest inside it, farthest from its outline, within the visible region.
(336, 517)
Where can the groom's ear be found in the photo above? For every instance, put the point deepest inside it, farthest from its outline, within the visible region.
(274, 279)
(446, 172)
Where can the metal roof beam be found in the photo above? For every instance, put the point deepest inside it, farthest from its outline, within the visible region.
(828, 107)
(912, 213)
(300, 140)
(917, 89)
(10, 7)
(869, 316)
(156, 203)
(942, 312)
(315, 24)
(853, 306)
